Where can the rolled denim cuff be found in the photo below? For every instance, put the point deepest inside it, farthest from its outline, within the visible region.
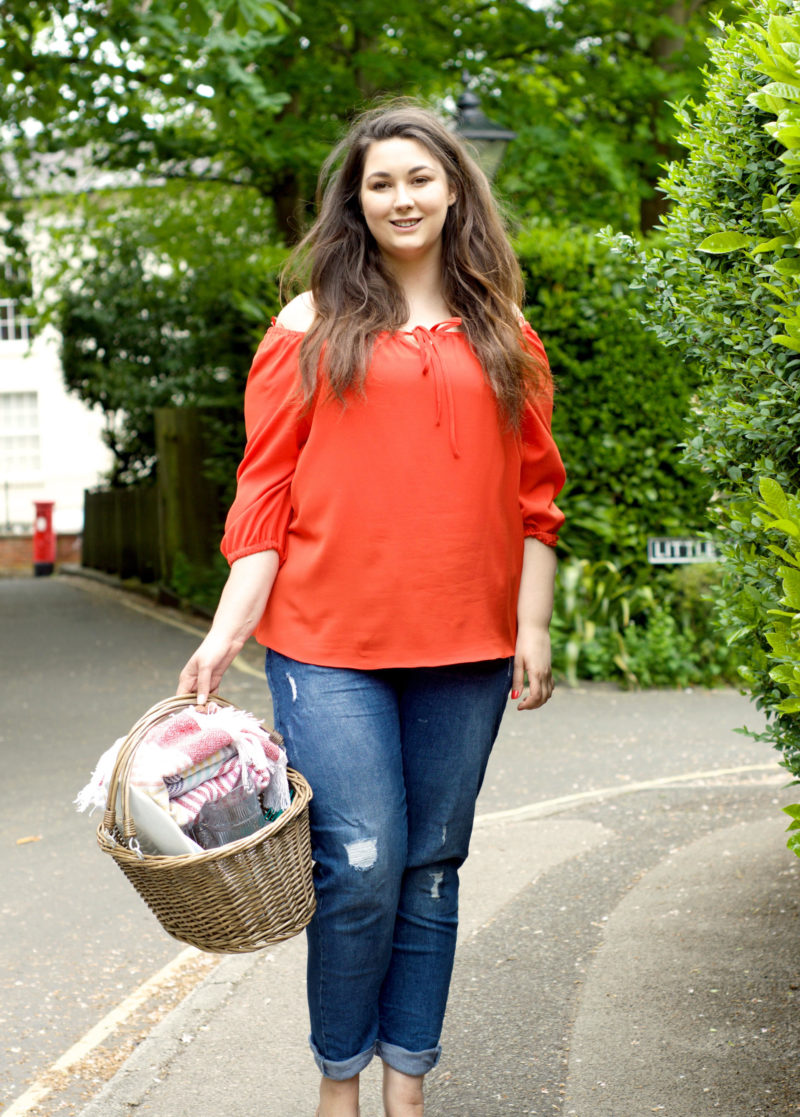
(344, 1068)
(408, 1062)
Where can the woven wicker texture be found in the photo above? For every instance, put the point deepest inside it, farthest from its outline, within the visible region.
(241, 897)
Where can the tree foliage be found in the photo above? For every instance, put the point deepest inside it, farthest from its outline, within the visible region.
(253, 92)
(246, 93)
(166, 315)
(588, 85)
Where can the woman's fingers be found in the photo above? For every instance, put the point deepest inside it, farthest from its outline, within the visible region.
(539, 682)
(540, 689)
(204, 687)
(202, 675)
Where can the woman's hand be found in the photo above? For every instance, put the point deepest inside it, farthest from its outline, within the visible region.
(203, 673)
(532, 658)
(241, 605)
(534, 608)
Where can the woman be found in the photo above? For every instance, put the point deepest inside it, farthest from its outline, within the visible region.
(391, 544)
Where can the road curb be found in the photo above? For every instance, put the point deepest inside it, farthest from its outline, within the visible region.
(152, 1059)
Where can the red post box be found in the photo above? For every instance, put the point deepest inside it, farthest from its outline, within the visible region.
(44, 539)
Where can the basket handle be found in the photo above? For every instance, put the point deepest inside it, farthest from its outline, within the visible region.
(123, 765)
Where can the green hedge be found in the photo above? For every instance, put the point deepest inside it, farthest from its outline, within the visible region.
(724, 291)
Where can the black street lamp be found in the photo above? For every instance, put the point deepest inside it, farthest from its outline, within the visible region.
(490, 140)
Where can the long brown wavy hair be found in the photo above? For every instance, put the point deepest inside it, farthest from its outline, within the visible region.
(355, 296)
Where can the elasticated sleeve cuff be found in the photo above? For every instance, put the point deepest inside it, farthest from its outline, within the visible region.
(548, 537)
(256, 549)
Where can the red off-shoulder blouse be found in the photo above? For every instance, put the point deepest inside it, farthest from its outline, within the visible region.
(398, 516)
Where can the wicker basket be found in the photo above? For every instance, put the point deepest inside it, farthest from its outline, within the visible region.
(241, 897)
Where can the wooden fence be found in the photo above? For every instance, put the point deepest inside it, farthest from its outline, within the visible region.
(138, 532)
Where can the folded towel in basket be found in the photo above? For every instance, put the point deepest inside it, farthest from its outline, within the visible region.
(192, 758)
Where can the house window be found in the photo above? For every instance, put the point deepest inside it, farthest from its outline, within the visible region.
(19, 433)
(13, 326)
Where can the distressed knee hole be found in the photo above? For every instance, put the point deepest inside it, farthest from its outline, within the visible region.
(293, 685)
(436, 880)
(362, 854)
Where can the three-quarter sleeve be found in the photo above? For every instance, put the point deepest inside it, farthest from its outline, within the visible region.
(276, 428)
(542, 473)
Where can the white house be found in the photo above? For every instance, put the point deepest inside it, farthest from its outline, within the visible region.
(50, 442)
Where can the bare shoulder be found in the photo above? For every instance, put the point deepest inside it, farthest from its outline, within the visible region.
(299, 314)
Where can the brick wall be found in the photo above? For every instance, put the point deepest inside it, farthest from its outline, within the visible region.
(16, 552)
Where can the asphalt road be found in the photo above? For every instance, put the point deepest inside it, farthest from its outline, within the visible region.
(80, 663)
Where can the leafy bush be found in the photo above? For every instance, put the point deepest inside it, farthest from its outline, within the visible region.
(779, 514)
(660, 653)
(724, 291)
(654, 627)
(199, 585)
(594, 606)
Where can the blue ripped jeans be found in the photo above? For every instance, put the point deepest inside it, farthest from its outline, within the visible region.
(395, 759)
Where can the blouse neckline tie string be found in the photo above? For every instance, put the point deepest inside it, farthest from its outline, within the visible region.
(432, 362)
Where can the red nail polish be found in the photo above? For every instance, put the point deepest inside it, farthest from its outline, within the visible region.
(516, 693)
